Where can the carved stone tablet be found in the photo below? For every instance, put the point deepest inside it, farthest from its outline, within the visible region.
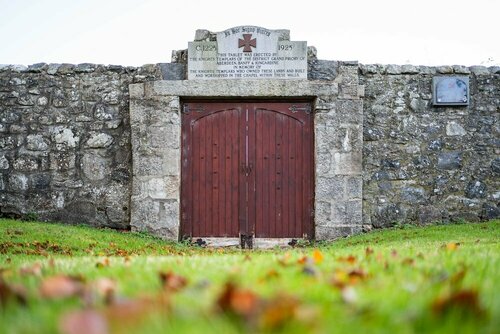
(247, 52)
(451, 90)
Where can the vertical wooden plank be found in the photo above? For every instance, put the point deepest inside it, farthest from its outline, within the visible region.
(285, 175)
(278, 174)
(252, 165)
(234, 171)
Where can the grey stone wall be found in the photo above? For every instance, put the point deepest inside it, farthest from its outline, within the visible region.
(65, 142)
(68, 134)
(423, 163)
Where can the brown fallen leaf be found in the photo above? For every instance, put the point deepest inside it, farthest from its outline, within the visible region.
(394, 253)
(368, 251)
(238, 301)
(277, 312)
(172, 282)
(106, 288)
(271, 274)
(466, 301)
(408, 261)
(351, 259)
(12, 292)
(285, 259)
(61, 286)
(83, 322)
(33, 270)
(303, 260)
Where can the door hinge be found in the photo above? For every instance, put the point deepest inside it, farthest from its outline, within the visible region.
(306, 109)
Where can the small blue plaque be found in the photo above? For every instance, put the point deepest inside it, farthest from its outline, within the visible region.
(450, 91)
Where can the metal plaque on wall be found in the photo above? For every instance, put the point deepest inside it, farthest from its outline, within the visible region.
(450, 90)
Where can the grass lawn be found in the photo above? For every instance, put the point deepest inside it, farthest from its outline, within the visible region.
(75, 279)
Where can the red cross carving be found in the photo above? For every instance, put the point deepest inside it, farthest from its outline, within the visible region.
(247, 42)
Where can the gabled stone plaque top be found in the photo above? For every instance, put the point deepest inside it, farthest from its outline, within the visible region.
(247, 52)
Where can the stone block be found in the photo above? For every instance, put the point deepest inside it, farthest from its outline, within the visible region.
(18, 182)
(95, 167)
(346, 163)
(328, 188)
(334, 232)
(99, 140)
(413, 195)
(4, 162)
(64, 138)
(158, 217)
(354, 212)
(62, 161)
(449, 160)
(25, 163)
(40, 181)
(173, 71)
(354, 187)
(37, 143)
(454, 128)
(323, 211)
(476, 189)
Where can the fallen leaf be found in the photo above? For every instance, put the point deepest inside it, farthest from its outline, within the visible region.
(394, 253)
(368, 251)
(277, 312)
(239, 301)
(451, 246)
(106, 288)
(285, 259)
(34, 270)
(271, 274)
(351, 259)
(83, 322)
(317, 256)
(12, 292)
(61, 286)
(172, 282)
(125, 313)
(408, 261)
(103, 263)
(466, 301)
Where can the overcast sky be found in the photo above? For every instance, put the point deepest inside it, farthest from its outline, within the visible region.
(133, 32)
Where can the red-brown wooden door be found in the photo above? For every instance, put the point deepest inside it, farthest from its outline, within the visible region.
(247, 169)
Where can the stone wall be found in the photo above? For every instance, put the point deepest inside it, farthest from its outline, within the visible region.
(67, 136)
(423, 163)
(65, 142)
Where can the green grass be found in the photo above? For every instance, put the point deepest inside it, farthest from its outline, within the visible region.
(436, 279)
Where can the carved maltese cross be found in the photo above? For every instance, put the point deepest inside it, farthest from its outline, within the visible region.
(247, 43)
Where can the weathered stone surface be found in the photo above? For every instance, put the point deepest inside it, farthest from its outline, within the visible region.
(64, 138)
(433, 163)
(37, 143)
(66, 133)
(56, 160)
(99, 140)
(449, 160)
(455, 129)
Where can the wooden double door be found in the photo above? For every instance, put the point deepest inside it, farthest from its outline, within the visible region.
(247, 170)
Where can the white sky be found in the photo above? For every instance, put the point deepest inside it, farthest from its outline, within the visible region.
(133, 32)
